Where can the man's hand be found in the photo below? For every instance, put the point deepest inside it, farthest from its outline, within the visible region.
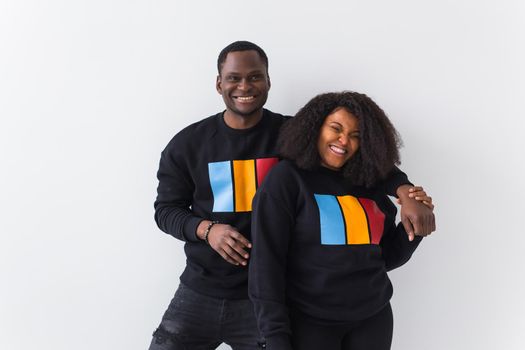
(227, 241)
(417, 218)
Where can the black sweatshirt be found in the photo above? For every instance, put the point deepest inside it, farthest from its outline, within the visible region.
(211, 171)
(321, 247)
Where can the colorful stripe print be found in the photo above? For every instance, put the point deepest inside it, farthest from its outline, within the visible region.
(233, 183)
(349, 220)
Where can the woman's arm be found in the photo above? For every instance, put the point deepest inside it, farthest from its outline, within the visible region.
(396, 247)
(272, 223)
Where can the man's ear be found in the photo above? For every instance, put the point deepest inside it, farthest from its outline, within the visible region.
(218, 85)
(269, 82)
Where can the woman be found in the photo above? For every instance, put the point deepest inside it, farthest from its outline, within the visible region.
(324, 232)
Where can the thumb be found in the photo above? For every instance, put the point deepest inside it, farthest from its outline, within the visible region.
(408, 228)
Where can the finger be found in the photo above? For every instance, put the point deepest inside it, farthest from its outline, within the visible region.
(241, 239)
(239, 248)
(226, 257)
(418, 225)
(423, 198)
(408, 227)
(415, 189)
(417, 194)
(426, 227)
(429, 204)
(234, 255)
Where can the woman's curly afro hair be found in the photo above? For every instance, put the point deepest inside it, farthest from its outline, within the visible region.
(379, 141)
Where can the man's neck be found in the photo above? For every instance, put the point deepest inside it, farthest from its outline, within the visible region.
(236, 121)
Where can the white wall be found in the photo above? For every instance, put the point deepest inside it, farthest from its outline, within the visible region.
(91, 91)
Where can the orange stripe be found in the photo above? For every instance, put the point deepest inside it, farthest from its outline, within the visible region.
(244, 179)
(355, 220)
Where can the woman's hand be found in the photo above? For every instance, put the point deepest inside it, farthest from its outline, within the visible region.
(419, 194)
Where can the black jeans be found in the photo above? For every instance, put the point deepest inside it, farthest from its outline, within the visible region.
(373, 333)
(197, 322)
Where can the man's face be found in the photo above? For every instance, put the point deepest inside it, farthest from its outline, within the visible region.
(243, 83)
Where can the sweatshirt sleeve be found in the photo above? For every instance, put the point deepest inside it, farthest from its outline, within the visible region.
(396, 248)
(272, 223)
(395, 178)
(175, 193)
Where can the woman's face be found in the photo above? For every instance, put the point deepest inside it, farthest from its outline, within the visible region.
(338, 138)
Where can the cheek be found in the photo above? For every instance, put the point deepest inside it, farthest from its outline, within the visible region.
(355, 146)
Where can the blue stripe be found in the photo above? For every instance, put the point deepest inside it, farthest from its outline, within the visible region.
(221, 186)
(332, 222)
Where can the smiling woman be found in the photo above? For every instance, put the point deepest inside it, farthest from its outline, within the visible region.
(349, 121)
(324, 232)
(338, 138)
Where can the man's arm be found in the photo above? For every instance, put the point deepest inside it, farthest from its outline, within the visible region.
(174, 197)
(173, 214)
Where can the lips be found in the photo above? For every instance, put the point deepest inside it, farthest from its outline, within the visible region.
(338, 150)
(244, 99)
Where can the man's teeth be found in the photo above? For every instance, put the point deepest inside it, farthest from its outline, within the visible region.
(245, 98)
(337, 149)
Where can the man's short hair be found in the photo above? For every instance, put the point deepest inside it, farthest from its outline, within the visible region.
(241, 46)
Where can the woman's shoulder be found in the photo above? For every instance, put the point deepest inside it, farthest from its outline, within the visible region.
(283, 175)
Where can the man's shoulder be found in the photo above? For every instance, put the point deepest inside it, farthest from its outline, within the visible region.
(194, 132)
(277, 117)
(206, 124)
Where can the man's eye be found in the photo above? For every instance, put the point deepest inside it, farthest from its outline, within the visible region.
(256, 77)
(231, 78)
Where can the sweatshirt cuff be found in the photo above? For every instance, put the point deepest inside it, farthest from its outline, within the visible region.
(190, 229)
(393, 184)
(279, 342)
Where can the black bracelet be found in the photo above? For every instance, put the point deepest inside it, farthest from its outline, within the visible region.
(207, 231)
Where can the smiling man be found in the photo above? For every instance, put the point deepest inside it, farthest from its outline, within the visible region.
(208, 175)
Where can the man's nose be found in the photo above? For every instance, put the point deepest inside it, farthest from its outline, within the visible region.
(243, 84)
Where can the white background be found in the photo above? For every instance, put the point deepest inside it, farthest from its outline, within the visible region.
(91, 92)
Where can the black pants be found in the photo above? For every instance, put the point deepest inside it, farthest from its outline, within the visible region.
(197, 322)
(373, 333)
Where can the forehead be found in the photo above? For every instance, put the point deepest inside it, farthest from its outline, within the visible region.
(344, 117)
(243, 62)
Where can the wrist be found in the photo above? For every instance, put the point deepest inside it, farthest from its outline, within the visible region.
(207, 231)
(201, 228)
(403, 191)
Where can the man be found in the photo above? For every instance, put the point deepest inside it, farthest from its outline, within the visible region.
(208, 175)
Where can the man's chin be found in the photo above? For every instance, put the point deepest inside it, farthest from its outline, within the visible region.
(246, 113)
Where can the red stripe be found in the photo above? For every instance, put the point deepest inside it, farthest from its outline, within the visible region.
(264, 165)
(376, 219)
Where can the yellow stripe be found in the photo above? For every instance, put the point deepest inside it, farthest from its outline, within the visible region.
(244, 177)
(355, 220)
